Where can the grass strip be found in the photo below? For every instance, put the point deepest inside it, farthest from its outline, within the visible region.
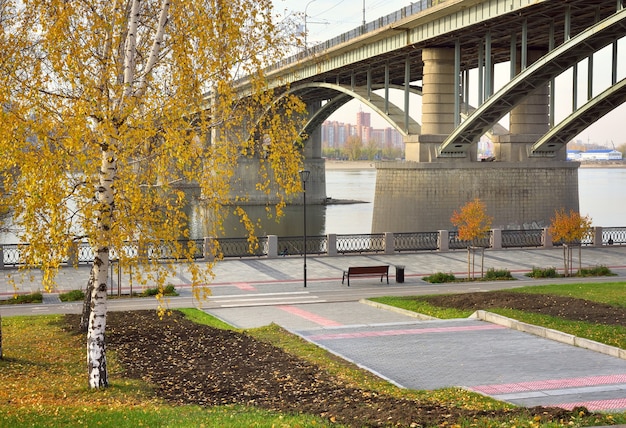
(44, 383)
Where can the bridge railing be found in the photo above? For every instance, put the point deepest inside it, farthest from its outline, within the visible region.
(11, 255)
(381, 22)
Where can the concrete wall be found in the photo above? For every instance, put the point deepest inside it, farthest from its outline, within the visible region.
(247, 175)
(421, 197)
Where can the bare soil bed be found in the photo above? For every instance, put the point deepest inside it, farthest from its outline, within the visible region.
(558, 306)
(193, 364)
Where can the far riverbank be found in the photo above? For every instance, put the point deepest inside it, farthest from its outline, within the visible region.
(345, 165)
(332, 164)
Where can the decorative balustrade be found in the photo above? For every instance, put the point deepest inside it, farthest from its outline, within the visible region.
(614, 235)
(374, 243)
(454, 243)
(241, 247)
(332, 244)
(416, 241)
(522, 238)
(294, 245)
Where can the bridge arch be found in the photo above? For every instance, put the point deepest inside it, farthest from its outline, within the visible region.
(393, 114)
(578, 121)
(539, 73)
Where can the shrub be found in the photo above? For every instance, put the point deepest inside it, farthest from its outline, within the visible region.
(595, 271)
(72, 296)
(168, 290)
(496, 275)
(23, 298)
(544, 273)
(440, 277)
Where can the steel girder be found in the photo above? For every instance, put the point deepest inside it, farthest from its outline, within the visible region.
(535, 76)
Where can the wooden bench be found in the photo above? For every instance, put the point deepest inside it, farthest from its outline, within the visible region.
(383, 271)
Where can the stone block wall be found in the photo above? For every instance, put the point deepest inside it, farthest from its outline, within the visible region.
(248, 175)
(421, 197)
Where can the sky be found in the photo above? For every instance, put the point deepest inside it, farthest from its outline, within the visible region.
(328, 18)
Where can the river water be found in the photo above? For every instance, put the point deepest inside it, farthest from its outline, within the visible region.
(602, 196)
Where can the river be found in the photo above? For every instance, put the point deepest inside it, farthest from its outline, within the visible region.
(602, 196)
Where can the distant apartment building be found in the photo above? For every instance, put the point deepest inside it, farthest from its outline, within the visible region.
(335, 134)
(363, 125)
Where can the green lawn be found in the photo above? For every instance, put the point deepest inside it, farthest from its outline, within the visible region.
(613, 293)
(43, 376)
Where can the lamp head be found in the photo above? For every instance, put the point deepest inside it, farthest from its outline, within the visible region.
(304, 175)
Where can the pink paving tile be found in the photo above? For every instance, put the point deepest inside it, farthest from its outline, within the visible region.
(244, 286)
(317, 319)
(400, 332)
(597, 405)
(541, 385)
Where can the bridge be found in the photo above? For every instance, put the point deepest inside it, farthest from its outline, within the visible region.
(447, 52)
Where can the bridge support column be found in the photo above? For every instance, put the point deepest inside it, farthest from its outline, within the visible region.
(421, 197)
(313, 144)
(438, 95)
(248, 173)
(529, 121)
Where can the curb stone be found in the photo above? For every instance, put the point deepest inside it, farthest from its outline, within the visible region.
(550, 334)
(397, 310)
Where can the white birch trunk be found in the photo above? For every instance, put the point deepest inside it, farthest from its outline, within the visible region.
(134, 86)
(84, 318)
(96, 347)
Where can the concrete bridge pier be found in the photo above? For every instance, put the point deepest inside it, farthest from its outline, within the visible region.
(529, 121)
(421, 197)
(438, 106)
(316, 184)
(249, 173)
(421, 194)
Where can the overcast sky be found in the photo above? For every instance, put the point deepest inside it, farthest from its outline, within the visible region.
(328, 18)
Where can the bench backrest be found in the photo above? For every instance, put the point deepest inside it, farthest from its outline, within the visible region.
(367, 270)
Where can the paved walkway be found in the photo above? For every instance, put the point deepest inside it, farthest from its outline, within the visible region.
(423, 354)
(487, 358)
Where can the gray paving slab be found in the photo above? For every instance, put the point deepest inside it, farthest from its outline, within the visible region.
(481, 356)
(284, 271)
(295, 315)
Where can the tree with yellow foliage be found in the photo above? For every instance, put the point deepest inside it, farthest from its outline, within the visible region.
(473, 224)
(112, 105)
(570, 229)
(353, 147)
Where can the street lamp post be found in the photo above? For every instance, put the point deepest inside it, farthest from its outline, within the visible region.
(306, 47)
(304, 176)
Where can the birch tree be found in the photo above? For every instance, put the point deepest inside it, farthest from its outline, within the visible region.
(111, 106)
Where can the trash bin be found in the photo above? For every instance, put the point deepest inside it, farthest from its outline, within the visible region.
(399, 273)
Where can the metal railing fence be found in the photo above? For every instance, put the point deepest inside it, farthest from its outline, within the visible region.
(522, 238)
(416, 241)
(11, 255)
(361, 243)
